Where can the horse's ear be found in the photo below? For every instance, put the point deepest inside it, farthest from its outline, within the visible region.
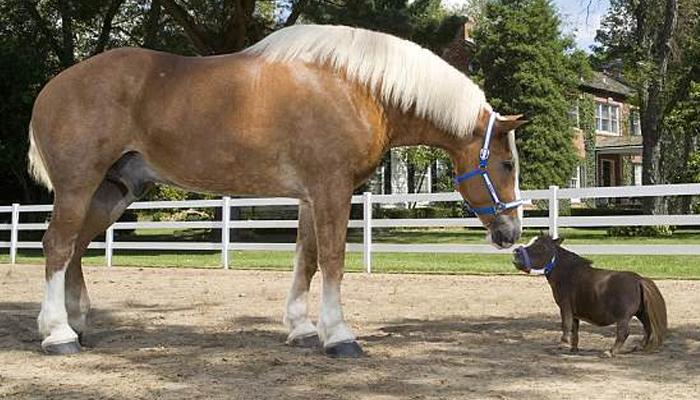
(507, 123)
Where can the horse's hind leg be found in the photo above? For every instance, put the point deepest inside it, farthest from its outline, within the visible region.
(621, 334)
(302, 332)
(125, 182)
(79, 214)
(642, 316)
(70, 209)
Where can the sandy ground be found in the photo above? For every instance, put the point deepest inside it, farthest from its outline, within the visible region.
(177, 333)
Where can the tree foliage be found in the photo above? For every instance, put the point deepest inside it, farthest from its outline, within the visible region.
(39, 38)
(527, 66)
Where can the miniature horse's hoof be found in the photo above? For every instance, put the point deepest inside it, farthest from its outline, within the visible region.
(62, 348)
(345, 350)
(306, 342)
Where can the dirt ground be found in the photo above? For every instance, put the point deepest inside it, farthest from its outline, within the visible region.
(186, 334)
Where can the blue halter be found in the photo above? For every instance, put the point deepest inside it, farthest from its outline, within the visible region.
(546, 270)
(498, 206)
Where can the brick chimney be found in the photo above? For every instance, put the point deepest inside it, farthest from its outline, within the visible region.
(461, 50)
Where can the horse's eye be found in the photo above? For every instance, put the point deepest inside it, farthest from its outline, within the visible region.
(509, 165)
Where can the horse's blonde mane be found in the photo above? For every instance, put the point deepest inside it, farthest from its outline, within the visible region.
(402, 73)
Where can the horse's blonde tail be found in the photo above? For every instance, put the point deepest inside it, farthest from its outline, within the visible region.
(37, 167)
(655, 310)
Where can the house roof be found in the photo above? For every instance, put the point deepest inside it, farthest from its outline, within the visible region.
(611, 143)
(600, 82)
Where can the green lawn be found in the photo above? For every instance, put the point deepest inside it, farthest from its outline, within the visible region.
(686, 267)
(421, 235)
(653, 266)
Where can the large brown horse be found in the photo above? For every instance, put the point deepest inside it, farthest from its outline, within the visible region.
(307, 113)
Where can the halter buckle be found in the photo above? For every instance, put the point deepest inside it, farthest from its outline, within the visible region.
(484, 154)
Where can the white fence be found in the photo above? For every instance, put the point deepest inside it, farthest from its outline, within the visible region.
(553, 222)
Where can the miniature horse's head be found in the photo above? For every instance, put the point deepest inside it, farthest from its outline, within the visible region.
(536, 254)
(487, 176)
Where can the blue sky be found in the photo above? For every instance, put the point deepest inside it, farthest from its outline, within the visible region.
(573, 14)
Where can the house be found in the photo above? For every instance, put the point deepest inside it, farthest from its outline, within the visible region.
(618, 135)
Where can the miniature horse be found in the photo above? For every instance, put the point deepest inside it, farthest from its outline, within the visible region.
(597, 296)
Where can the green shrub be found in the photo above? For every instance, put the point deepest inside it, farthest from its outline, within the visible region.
(641, 231)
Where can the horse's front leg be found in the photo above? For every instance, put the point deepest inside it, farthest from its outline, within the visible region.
(567, 320)
(302, 332)
(574, 335)
(331, 211)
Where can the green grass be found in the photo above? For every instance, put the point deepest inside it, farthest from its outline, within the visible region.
(679, 267)
(421, 235)
(687, 267)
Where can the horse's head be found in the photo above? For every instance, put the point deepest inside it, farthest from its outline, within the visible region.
(487, 176)
(537, 254)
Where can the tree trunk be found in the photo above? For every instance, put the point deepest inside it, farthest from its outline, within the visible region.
(67, 55)
(196, 34)
(150, 37)
(106, 28)
(653, 106)
(689, 146)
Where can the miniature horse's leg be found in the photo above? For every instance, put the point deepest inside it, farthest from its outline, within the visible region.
(622, 332)
(302, 332)
(113, 196)
(567, 318)
(574, 335)
(331, 210)
(642, 316)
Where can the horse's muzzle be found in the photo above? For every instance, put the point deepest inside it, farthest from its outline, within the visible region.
(505, 231)
(521, 259)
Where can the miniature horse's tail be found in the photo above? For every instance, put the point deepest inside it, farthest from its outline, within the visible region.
(655, 310)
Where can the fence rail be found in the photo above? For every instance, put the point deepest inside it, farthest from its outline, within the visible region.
(552, 222)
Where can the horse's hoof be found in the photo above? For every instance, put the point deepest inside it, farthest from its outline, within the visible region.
(573, 350)
(345, 350)
(306, 342)
(62, 348)
(81, 339)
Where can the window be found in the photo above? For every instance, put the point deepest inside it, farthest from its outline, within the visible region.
(575, 183)
(635, 124)
(423, 181)
(607, 117)
(573, 116)
(637, 174)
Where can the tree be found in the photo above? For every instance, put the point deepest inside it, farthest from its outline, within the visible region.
(527, 66)
(225, 26)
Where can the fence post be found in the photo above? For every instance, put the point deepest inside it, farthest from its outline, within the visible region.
(14, 233)
(225, 229)
(553, 211)
(367, 231)
(109, 244)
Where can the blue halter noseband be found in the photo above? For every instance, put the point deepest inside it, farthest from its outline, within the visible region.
(498, 206)
(546, 270)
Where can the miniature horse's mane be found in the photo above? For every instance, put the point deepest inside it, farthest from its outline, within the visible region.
(400, 72)
(570, 254)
